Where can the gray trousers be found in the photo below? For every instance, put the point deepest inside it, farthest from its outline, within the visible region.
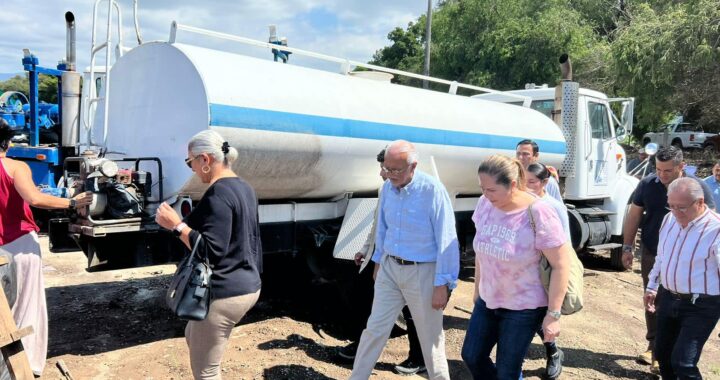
(397, 285)
(207, 339)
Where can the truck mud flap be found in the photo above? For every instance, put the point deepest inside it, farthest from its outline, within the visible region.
(355, 228)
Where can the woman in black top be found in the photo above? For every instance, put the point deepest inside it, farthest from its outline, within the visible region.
(227, 219)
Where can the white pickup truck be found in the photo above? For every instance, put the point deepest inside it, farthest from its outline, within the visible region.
(681, 135)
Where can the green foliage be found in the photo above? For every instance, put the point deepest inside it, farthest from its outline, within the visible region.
(47, 88)
(665, 53)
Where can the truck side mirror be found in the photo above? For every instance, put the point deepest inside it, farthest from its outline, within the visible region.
(626, 119)
(651, 149)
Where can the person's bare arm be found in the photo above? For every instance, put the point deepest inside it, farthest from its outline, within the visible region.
(22, 176)
(632, 223)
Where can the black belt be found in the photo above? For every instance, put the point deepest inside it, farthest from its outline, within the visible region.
(686, 296)
(402, 261)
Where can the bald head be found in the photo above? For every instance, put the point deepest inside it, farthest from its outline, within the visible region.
(402, 150)
(400, 163)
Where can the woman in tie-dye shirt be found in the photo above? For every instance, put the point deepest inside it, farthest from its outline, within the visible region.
(510, 301)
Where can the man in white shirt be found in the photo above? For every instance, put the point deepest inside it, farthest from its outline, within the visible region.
(684, 284)
(528, 152)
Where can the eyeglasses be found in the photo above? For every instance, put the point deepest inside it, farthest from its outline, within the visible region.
(680, 209)
(188, 161)
(394, 171)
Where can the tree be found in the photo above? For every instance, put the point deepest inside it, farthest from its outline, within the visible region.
(493, 43)
(47, 87)
(668, 55)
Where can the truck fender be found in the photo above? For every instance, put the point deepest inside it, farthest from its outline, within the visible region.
(618, 201)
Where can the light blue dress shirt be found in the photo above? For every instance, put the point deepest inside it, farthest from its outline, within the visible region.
(553, 189)
(714, 190)
(561, 211)
(417, 223)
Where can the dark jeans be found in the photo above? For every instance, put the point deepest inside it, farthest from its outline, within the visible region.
(511, 330)
(647, 260)
(683, 329)
(415, 354)
(358, 297)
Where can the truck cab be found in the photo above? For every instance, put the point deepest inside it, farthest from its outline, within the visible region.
(594, 182)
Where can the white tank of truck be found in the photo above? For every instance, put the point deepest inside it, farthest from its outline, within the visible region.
(301, 133)
(307, 140)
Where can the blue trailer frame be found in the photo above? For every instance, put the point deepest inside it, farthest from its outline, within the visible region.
(44, 160)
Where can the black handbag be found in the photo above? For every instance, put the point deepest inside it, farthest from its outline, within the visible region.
(189, 294)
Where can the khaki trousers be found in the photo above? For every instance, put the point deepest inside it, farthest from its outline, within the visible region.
(397, 285)
(207, 339)
(30, 308)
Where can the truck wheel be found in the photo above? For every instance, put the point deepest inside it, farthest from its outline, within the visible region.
(646, 141)
(709, 149)
(677, 143)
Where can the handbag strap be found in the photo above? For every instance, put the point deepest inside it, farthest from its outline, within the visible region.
(195, 247)
(532, 218)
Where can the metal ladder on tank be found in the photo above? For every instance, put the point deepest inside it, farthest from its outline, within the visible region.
(93, 97)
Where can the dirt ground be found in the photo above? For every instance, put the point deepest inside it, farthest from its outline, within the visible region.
(113, 325)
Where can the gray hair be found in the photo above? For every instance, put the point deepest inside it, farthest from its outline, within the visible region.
(211, 143)
(670, 153)
(687, 185)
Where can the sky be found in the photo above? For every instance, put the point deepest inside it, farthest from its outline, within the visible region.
(351, 29)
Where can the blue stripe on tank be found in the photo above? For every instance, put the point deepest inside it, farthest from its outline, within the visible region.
(252, 118)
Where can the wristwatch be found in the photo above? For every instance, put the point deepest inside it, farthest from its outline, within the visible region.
(177, 231)
(554, 314)
(627, 248)
(73, 204)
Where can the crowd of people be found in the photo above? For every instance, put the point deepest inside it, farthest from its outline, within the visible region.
(413, 255)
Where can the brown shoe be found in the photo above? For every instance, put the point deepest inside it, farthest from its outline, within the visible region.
(646, 358)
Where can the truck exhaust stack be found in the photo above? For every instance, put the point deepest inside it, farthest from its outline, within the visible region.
(70, 52)
(565, 67)
(70, 89)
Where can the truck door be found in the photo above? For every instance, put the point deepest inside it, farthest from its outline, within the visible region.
(602, 162)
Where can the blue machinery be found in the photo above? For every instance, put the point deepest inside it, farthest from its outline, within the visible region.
(44, 161)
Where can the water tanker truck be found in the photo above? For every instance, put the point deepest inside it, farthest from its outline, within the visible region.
(307, 140)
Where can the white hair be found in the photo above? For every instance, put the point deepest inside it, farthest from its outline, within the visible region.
(688, 186)
(405, 147)
(211, 143)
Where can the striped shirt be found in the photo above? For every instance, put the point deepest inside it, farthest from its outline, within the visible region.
(688, 259)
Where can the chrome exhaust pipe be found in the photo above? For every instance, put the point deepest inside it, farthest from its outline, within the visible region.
(70, 43)
(565, 67)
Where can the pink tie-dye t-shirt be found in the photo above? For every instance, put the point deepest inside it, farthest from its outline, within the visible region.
(508, 253)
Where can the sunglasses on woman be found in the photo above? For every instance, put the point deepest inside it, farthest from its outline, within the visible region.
(188, 161)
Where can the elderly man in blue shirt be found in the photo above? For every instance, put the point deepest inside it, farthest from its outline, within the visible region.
(416, 262)
(713, 182)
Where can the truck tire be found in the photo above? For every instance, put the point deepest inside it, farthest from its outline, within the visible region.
(677, 143)
(646, 141)
(709, 149)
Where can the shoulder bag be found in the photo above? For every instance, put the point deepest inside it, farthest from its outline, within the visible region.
(189, 294)
(573, 301)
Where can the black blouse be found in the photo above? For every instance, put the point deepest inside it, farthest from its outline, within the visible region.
(227, 218)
